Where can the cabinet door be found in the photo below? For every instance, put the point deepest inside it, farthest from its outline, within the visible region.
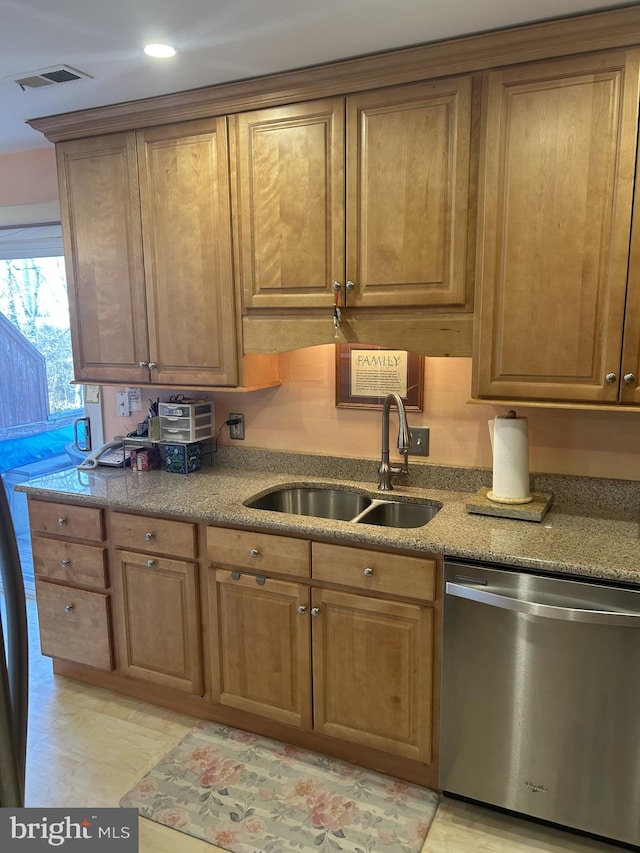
(100, 210)
(372, 672)
(186, 224)
(630, 367)
(288, 192)
(158, 622)
(556, 179)
(408, 173)
(260, 646)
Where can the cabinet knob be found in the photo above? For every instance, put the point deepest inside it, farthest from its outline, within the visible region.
(302, 609)
(254, 552)
(68, 608)
(368, 571)
(151, 563)
(336, 285)
(153, 365)
(610, 377)
(143, 364)
(350, 285)
(315, 611)
(64, 563)
(149, 536)
(61, 522)
(235, 576)
(629, 378)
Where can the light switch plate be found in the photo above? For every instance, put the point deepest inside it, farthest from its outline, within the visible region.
(419, 441)
(122, 400)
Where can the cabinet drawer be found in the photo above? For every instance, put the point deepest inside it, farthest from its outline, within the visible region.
(153, 535)
(375, 571)
(74, 522)
(74, 624)
(258, 552)
(66, 561)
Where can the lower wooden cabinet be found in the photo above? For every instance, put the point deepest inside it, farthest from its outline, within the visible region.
(72, 582)
(157, 620)
(335, 643)
(260, 646)
(340, 663)
(372, 672)
(74, 624)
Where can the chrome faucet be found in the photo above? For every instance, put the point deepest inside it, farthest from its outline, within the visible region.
(404, 442)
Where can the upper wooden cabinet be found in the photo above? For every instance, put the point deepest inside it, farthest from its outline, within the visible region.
(163, 313)
(557, 162)
(288, 192)
(100, 209)
(382, 211)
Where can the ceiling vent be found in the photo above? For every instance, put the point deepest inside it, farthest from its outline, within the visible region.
(48, 77)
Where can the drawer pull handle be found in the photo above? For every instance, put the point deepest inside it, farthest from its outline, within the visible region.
(68, 608)
(302, 609)
(254, 552)
(151, 563)
(315, 611)
(368, 571)
(149, 536)
(61, 522)
(260, 580)
(65, 563)
(235, 576)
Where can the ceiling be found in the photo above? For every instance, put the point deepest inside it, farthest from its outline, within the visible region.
(217, 40)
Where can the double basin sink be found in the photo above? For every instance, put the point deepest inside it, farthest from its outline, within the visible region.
(345, 505)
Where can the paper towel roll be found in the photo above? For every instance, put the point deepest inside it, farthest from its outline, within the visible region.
(510, 441)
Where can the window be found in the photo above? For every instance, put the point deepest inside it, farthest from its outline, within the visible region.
(36, 352)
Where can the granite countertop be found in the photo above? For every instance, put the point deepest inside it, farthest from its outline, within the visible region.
(600, 544)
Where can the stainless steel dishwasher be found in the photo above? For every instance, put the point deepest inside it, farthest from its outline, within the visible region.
(541, 697)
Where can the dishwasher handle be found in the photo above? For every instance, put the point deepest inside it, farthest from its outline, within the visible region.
(549, 611)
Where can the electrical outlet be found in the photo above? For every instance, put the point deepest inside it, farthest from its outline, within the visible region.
(122, 399)
(419, 441)
(236, 430)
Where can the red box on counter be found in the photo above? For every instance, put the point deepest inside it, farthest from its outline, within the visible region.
(145, 459)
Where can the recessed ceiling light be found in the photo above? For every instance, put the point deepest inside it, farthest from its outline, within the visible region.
(160, 51)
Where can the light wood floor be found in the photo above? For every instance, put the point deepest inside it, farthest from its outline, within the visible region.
(88, 746)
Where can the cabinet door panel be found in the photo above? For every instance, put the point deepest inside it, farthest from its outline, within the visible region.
(630, 367)
(261, 646)
(372, 672)
(158, 620)
(186, 224)
(100, 207)
(557, 167)
(289, 203)
(408, 158)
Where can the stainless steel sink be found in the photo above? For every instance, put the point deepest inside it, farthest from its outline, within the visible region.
(322, 503)
(345, 505)
(398, 514)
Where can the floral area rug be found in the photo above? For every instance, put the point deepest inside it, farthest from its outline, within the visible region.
(249, 794)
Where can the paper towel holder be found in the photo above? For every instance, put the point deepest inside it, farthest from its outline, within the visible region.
(505, 499)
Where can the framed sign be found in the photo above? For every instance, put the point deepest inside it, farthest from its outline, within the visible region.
(366, 374)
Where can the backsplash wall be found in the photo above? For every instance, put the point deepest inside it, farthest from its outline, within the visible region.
(300, 415)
